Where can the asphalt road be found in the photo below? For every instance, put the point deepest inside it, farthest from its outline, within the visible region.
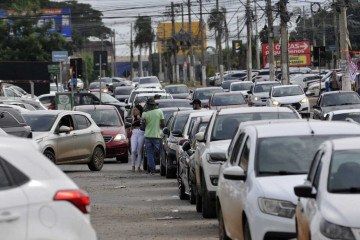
(127, 205)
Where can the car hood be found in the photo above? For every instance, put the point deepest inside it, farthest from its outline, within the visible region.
(219, 146)
(180, 95)
(289, 99)
(38, 135)
(261, 94)
(280, 187)
(339, 209)
(150, 85)
(228, 106)
(112, 130)
(340, 107)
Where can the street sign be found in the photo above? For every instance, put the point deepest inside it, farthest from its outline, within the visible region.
(59, 56)
(100, 56)
(64, 101)
(299, 53)
(54, 69)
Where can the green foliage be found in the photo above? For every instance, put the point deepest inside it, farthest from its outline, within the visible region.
(144, 32)
(217, 20)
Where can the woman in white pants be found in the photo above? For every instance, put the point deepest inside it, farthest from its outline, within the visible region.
(137, 139)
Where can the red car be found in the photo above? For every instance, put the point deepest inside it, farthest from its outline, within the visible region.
(112, 128)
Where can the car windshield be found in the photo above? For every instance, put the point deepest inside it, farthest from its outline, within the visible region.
(337, 99)
(134, 93)
(177, 89)
(95, 85)
(287, 155)
(264, 87)
(206, 93)
(179, 122)
(106, 80)
(104, 117)
(148, 80)
(343, 116)
(123, 91)
(139, 99)
(225, 125)
(228, 99)
(165, 104)
(168, 113)
(105, 98)
(40, 123)
(287, 91)
(241, 87)
(344, 174)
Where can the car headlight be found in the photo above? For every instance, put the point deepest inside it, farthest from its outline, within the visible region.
(256, 98)
(277, 207)
(119, 137)
(333, 231)
(275, 103)
(304, 100)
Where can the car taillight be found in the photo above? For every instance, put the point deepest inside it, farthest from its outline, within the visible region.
(51, 107)
(78, 198)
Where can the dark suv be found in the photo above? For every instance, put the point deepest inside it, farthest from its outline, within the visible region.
(13, 123)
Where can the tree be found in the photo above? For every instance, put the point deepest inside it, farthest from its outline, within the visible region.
(144, 36)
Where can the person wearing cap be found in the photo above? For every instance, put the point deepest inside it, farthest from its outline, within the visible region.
(153, 119)
(196, 104)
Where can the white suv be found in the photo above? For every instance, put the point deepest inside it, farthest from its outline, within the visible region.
(255, 195)
(215, 139)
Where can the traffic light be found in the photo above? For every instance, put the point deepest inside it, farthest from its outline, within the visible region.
(319, 56)
(76, 66)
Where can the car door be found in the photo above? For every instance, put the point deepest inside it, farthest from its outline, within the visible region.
(317, 110)
(84, 136)
(165, 147)
(306, 206)
(65, 143)
(238, 197)
(13, 206)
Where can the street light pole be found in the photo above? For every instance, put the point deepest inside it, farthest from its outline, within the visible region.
(344, 48)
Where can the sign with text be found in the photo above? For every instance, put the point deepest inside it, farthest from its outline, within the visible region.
(299, 53)
(59, 56)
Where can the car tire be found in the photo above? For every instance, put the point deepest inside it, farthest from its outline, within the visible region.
(198, 202)
(247, 234)
(181, 189)
(222, 230)
(97, 159)
(168, 172)
(123, 158)
(208, 208)
(192, 196)
(50, 155)
(162, 167)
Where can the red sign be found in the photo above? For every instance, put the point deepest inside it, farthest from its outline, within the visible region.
(299, 53)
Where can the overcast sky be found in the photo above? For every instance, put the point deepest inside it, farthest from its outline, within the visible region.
(119, 14)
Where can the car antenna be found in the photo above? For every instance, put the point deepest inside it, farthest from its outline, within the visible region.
(312, 130)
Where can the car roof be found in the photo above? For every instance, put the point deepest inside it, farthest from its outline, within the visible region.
(148, 90)
(344, 111)
(109, 107)
(348, 143)
(226, 93)
(336, 92)
(173, 100)
(303, 127)
(254, 109)
(207, 88)
(286, 86)
(152, 94)
(176, 109)
(176, 85)
(241, 82)
(52, 112)
(201, 113)
(266, 82)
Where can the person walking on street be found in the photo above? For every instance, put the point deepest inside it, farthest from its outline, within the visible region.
(137, 138)
(153, 119)
(196, 104)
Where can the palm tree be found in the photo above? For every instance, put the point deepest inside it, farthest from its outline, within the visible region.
(217, 22)
(144, 36)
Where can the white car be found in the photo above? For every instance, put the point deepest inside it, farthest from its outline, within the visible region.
(149, 82)
(289, 95)
(68, 137)
(327, 200)
(259, 93)
(344, 115)
(37, 200)
(243, 87)
(255, 194)
(315, 89)
(302, 79)
(216, 139)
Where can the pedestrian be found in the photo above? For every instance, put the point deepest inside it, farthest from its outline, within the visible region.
(153, 119)
(327, 85)
(196, 104)
(334, 84)
(137, 138)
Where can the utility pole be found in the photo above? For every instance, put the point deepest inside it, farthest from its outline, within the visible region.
(238, 38)
(313, 29)
(175, 67)
(191, 68)
(284, 43)
(256, 38)
(182, 16)
(131, 55)
(344, 47)
(336, 31)
(270, 35)
(220, 56)
(324, 37)
(114, 56)
(228, 67)
(304, 26)
(249, 44)
(203, 65)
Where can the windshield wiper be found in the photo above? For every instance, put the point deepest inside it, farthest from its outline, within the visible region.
(330, 105)
(347, 103)
(281, 172)
(347, 190)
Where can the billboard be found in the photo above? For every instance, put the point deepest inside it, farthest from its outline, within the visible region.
(164, 30)
(299, 53)
(59, 17)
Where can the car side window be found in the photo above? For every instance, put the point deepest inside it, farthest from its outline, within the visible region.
(18, 177)
(7, 120)
(169, 123)
(318, 103)
(236, 148)
(4, 179)
(81, 121)
(313, 167)
(245, 154)
(316, 179)
(66, 121)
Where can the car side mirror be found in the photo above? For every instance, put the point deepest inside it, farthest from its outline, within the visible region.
(64, 129)
(200, 136)
(166, 131)
(304, 191)
(186, 146)
(127, 125)
(217, 157)
(249, 92)
(176, 133)
(234, 173)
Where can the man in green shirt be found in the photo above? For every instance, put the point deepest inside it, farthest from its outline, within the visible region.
(153, 119)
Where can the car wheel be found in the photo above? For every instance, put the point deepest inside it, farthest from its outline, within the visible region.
(247, 234)
(168, 172)
(198, 202)
(208, 208)
(222, 230)
(123, 158)
(50, 155)
(192, 197)
(97, 160)
(181, 189)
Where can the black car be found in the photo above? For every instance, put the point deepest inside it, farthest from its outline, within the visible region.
(13, 123)
(178, 91)
(204, 94)
(165, 103)
(335, 100)
(226, 84)
(122, 93)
